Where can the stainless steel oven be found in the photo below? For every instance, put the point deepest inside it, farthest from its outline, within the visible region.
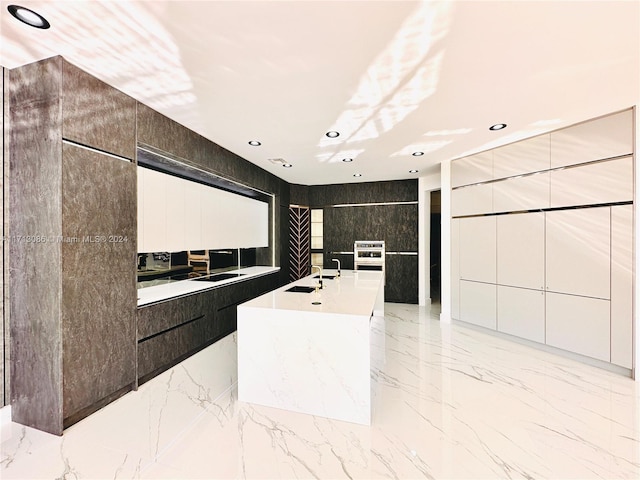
(368, 255)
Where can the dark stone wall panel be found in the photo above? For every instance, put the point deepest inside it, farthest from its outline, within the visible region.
(367, 192)
(35, 262)
(299, 195)
(96, 114)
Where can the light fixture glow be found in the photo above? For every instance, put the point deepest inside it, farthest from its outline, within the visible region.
(254, 143)
(498, 126)
(29, 17)
(413, 171)
(287, 165)
(347, 160)
(332, 134)
(417, 154)
(357, 174)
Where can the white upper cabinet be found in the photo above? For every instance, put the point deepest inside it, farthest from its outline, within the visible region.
(515, 194)
(527, 156)
(474, 169)
(193, 217)
(175, 193)
(154, 216)
(601, 182)
(176, 214)
(472, 200)
(578, 252)
(140, 175)
(520, 250)
(605, 137)
(478, 249)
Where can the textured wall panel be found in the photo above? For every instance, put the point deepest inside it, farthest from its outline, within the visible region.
(299, 242)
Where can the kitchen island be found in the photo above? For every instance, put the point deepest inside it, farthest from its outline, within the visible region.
(312, 352)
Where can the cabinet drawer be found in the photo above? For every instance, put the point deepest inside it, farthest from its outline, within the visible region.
(521, 313)
(602, 182)
(478, 304)
(578, 324)
(163, 316)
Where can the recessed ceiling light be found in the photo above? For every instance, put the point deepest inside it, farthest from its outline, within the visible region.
(357, 174)
(332, 134)
(29, 17)
(417, 154)
(498, 126)
(347, 160)
(254, 143)
(413, 171)
(287, 165)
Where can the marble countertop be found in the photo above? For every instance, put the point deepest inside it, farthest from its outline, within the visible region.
(353, 293)
(158, 293)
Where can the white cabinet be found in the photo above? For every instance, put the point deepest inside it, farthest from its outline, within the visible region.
(578, 249)
(478, 249)
(455, 268)
(526, 156)
(478, 304)
(140, 192)
(473, 169)
(520, 250)
(175, 194)
(193, 217)
(605, 137)
(601, 182)
(472, 200)
(622, 285)
(521, 313)
(154, 216)
(578, 324)
(515, 194)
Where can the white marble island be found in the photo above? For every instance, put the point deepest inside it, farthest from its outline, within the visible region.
(312, 352)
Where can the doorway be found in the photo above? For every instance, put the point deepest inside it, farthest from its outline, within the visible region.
(434, 247)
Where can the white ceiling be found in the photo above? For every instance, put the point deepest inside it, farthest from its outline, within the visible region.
(393, 77)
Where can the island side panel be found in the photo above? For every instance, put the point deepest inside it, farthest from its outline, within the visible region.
(305, 362)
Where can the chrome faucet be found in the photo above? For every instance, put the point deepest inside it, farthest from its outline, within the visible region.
(319, 270)
(336, 260)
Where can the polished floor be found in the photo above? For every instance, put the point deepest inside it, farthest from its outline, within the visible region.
(451, 402)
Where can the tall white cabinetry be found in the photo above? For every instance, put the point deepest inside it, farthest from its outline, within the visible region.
(542, 239)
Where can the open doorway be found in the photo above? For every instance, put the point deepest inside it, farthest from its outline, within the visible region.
(434, 247)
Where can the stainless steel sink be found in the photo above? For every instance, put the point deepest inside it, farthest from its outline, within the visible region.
(300, 289)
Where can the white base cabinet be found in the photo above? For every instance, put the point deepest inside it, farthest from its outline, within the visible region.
(579, 324)
(622, 285)
(521, 313)
(478, 304)
(478, 249)
(520, 250)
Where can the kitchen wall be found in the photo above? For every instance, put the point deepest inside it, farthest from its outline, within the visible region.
(370, 211)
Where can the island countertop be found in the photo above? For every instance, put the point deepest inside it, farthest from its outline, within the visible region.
(353, 293)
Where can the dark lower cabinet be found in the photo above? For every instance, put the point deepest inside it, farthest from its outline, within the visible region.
(401, 272)
(170, 331)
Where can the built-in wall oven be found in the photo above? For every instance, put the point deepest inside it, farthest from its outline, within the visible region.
(368, 255)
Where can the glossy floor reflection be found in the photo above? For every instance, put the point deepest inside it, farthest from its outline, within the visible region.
(451, 403)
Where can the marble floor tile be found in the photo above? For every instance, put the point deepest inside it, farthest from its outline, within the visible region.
(451, 402)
